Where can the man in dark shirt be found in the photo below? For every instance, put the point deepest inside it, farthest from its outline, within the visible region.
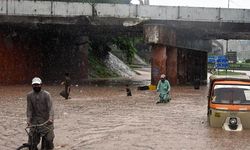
(40, 110)
(66, 83)
(129, 93)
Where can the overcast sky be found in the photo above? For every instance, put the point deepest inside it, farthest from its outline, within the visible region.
(201, 3)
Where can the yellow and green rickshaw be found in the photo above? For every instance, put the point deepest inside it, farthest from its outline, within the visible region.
(229, 102)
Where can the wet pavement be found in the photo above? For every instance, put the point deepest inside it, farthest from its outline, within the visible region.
(104, 118)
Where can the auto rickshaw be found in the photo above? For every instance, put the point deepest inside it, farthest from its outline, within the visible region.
(229, 102)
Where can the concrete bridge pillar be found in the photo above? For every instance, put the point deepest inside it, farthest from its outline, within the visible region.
(158, 63)
(26, 52)
(164, 61)
(169, 58)
(171, 65)
(83, 46)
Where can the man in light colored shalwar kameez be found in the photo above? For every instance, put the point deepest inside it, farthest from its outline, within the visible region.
(163, 87)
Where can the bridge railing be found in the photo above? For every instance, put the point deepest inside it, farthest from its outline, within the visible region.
(71, 9)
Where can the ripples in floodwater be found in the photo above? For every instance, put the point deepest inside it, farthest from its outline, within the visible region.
(105, 118)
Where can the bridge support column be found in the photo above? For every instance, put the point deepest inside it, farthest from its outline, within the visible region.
(171, 66)
(158, 62)
(179, 66)
(82, 42)
(164, 61)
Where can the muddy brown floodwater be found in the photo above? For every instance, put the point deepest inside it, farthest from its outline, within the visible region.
(104, 118)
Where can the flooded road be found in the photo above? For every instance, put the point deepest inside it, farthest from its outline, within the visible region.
(104, 118)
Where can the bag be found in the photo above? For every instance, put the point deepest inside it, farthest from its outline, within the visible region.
(143, 88)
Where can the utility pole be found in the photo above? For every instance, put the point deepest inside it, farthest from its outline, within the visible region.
(227, 47)
(146, 2)
(228, 2)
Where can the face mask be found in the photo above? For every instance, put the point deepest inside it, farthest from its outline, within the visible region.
(37, 89)
(162, 80)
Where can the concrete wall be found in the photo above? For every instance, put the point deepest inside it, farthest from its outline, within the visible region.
(53, 8)
(44, 8)
(158, 63)
(19, 59)
(181, 66)
(45, 52)
(171, 65)
(62, 54)
(191, 64)
(161, 34)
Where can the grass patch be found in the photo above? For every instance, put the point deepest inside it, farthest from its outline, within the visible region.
(224, 72)
(98, 69)
(240, 66)
(237, 66)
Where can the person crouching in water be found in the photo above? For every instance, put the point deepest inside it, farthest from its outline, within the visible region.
(163, 87)
(129, 93)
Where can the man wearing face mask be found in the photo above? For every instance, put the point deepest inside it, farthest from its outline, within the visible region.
(163, 87)
(40, 110)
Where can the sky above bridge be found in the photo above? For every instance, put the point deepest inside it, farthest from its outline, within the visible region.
(202, 3)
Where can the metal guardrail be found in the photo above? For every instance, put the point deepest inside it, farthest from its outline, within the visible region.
(91, 1)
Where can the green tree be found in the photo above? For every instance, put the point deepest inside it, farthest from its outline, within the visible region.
(127, 46)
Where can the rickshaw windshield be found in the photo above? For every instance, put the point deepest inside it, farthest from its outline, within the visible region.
(231, 94)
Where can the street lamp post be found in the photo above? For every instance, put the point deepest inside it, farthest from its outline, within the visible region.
(228, 2)
(227, 47)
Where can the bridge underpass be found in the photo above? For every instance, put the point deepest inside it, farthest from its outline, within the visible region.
(179, 37)
(46, 51)
(50, 50)
(180, 47)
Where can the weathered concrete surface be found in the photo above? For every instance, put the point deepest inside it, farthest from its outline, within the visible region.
(181, 27)
(190, 65)
(171, 65)
(162, 34)
(202, 23)
(19, 59)
(68, 9)
(158, 63)
(45, 52)
(159, 34)
(181, 66)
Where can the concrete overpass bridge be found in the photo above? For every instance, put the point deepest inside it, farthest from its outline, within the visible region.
(179, 36)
